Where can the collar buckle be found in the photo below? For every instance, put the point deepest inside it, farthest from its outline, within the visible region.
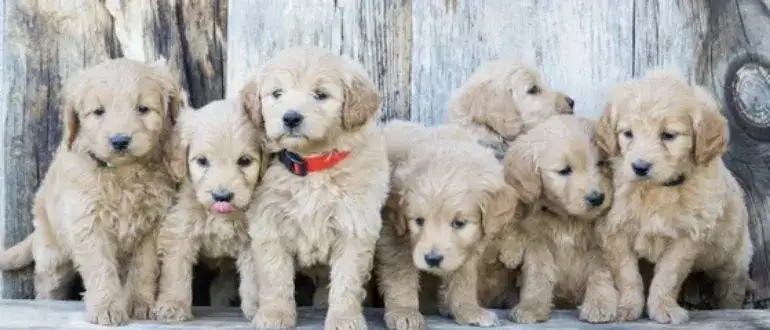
(293, 162)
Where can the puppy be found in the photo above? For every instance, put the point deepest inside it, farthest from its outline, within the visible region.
(448, 198)
(562, 176)
(676, 204)
(215, 155)
(324, 187)
(97, 207)
(502, 99)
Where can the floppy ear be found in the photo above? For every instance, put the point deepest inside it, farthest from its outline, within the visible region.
(500, 209)
(252, 102)
(175, 154)
(710, 129)
(522, 172)
(391, 213)
(175, 97)
(69, 101)
(606, 137)
(489, 105)
(361, 100)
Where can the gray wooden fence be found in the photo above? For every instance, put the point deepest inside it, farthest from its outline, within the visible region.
(417, 51)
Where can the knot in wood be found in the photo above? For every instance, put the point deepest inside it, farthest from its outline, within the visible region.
(750, 90)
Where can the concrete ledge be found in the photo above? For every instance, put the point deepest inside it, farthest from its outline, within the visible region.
(26, 314)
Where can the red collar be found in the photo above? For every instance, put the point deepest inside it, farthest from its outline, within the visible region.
(301, 166)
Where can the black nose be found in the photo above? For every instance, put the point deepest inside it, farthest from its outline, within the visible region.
(292, 119)
(595, 198)
(641, 168)
(433, 259)
(120, 141)
(570, 102)
(222, 195)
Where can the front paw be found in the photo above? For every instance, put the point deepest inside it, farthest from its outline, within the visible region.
(173, 311)
(529, 313)
(142, 310)
(475, 316)
(404, 319)
(598, 311)
(666, 310)
(109, 312)
(630, 308)
(249, 308)
(266, 318)
(339, 321)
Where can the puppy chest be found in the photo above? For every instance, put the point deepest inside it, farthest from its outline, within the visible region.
(223, 239)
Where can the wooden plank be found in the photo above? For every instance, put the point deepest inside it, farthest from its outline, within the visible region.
(376, 33)
(3, 95)
(582, 47)
(25, 314)
(44, 43)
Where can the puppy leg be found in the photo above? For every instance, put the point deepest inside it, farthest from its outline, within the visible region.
(601, 298)
(175, 284)
(399, 283)
(94, 256)
(625, 271)
(539, 277)
(459, 293)
(247, 288)
(512, 249)
(732, 282)
(274, 274)
(53, 270)
(351, 264)
(142, 279)
(321, 294)
(670, 271)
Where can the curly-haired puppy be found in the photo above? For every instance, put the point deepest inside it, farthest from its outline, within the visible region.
(676, 204)
(562, 176)
(97, 208)
(502, 99)
(322, 192)
(448, 197)
(215, 155)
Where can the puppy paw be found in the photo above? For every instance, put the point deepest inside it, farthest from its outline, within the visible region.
(666, 311)
(598, 311)
(274, 319)
(173, 312)
(111, 312)
(529, 313)
(142, 310)
(249, 309)
(629, 309)
(404, 319)
(345, 322)
(475, 316)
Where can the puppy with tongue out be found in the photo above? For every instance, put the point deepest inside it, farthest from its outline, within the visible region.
(216, 158)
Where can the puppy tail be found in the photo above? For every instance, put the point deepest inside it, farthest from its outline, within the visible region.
(17, 256)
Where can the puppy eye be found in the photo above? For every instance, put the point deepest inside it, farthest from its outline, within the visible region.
(419, 222)
(244, 161)
(666, 136)
(457, 224)
(565, 171)
(98, 112)
(628, 134)
(277, 93)
(202, 161)
(534, 90)
(143, 109)
(320, 95)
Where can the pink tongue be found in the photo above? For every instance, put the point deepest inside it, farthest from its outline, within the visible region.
(222, 207)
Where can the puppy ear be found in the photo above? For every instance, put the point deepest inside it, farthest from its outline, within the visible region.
(175, 152)
(361, 100)
(390, 213)
(522, 172)
(606, 137)
(68, 102)
(487, 104)
(500, 209)
(710, 129)
(251, 101)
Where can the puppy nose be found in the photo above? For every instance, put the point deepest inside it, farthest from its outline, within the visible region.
(222, 195)
(641, 167)
(570, 102)
(433, 259)
(595, 198)
(292, 119)
(120, 141)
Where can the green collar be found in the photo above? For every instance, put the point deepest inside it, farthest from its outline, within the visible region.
(99, 162)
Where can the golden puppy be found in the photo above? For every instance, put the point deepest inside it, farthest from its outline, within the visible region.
(448, 198)
(502, 99)
(676, 204)
(97, 208)
(561, 175)
(215, 155)
(323, 190)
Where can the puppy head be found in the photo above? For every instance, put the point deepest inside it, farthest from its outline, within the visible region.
(119, 111)
(507, 98)
(660, 128)
(449, 198)
(559, 164)
(306, 96)
(216, 150)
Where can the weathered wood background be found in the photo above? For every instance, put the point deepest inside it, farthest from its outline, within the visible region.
(417, 52)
